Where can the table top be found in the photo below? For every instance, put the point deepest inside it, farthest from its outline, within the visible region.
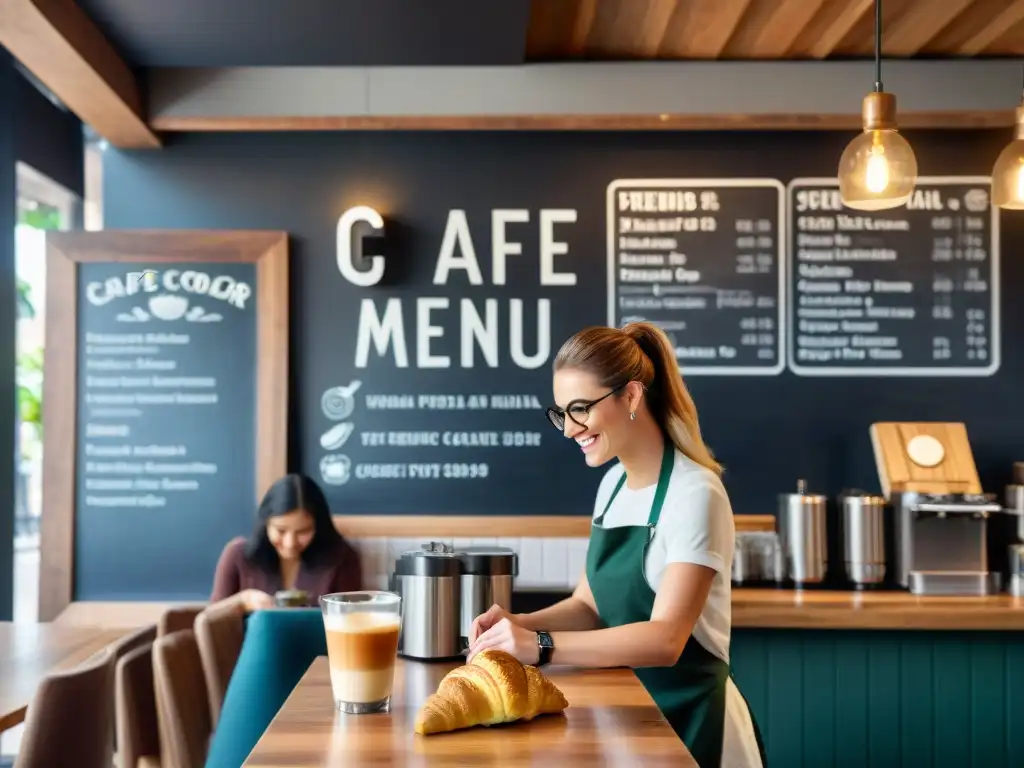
(820, 609)
(611, 720)
(30, 651)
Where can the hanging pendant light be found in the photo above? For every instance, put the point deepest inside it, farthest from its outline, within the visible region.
(1008, 172)
(878, 169)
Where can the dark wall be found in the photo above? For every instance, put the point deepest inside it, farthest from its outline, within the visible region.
(8, 310)
(768, 431)
(49, 138)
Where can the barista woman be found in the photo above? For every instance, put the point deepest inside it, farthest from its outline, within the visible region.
(293, 546)
(655, 595)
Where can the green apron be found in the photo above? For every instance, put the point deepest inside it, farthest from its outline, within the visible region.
(692, 693)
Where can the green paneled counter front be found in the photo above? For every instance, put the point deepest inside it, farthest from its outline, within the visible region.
(883, 680)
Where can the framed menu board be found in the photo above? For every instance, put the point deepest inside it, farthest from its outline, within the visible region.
(911, 291)
(165, 406)
(702, 259)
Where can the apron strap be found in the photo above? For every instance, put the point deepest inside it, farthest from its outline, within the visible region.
(667, 462)
(664, 475)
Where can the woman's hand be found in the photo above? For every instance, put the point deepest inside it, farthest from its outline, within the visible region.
(506, 635)
(256, 600)
(486, 620)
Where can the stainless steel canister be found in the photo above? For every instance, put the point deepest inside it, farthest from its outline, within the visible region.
(488, 575)
(1016, 587)
(863, 518)
(801, 521)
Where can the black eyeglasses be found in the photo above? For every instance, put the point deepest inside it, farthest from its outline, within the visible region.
(578, 411)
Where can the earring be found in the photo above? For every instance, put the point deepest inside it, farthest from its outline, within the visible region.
(632, 416)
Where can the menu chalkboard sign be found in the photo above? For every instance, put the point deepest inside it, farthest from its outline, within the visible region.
(166, 404)
(157, 379)
(911, 291)
(702, 259)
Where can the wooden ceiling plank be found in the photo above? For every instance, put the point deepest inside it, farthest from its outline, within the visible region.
(1010, 16)
(583, 22)
(833, 22)
(700, 29)
(58, 43)
(770, 27)
(654, 25)
(919, 23)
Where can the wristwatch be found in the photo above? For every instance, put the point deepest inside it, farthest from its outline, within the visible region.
(546, 646)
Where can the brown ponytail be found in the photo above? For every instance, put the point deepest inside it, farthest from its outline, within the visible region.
(642, 352)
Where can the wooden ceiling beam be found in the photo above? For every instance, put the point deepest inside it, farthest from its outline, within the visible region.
(918, 24)
(1008, 17)
(57, 43)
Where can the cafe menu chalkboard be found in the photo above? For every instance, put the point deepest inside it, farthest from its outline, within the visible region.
(166, 386)
(912, 291)
(702, 259)
(166, 404)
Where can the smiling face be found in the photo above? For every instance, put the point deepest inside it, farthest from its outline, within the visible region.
(599, 429)
(291, 533)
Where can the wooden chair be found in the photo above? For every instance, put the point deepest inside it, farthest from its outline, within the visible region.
(219, 630)
(177, 618)
(182, 704)
(138, 731)
(69, 721)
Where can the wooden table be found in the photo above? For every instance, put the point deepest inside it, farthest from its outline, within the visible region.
(611, 720)
(28, 652)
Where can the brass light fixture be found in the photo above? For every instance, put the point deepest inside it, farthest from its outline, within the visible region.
(1008, 172)
(878, 169)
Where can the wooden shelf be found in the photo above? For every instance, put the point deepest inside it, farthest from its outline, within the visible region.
(786, 609)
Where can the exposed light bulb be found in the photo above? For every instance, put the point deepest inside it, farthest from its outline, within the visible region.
(876, 175)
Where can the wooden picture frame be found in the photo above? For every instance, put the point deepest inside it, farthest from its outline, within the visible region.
(64, 252)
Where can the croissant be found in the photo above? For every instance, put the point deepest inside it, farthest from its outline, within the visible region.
(493, 688)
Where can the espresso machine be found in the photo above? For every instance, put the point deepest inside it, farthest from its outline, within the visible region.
(940, 514)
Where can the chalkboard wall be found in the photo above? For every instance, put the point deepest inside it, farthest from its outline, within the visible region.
(768, 430)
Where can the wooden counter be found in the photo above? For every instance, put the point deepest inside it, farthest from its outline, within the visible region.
(611, 720)
(814, 609)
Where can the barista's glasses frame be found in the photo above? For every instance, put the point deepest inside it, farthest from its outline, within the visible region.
(578, 411)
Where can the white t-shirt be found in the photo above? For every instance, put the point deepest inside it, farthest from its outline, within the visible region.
(695, 526)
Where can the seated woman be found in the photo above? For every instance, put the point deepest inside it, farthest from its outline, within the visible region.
(294, 546)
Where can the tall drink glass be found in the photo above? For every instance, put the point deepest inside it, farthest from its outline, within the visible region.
(362, 645)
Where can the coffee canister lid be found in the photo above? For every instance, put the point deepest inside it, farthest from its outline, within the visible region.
(489, 561)
(434, 559)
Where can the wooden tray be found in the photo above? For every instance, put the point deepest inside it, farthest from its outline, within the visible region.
(927, 457)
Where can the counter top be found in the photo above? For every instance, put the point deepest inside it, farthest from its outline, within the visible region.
(816, 609)
(611, 720)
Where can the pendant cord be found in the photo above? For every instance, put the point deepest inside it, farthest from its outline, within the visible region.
(878, 46)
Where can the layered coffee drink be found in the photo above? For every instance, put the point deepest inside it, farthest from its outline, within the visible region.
(362, 645)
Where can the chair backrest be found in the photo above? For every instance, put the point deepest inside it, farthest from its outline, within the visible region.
(176, 619)
(219, 630)
(124, 646)
(278, 648)
(182, 705)
(138, 732)
(70, 721)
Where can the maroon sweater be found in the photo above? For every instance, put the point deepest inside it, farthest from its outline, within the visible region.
(235, 574)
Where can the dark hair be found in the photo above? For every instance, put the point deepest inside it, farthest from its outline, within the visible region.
(642, 352)
(290, 493)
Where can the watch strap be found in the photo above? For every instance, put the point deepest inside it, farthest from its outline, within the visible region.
(546, 648)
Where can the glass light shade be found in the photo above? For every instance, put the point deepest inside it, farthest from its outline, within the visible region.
(878, 170)
(1008, 177)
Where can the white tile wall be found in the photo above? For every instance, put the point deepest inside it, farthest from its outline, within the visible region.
(545, 563)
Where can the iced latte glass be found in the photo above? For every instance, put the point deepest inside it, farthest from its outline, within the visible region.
(362, 645)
